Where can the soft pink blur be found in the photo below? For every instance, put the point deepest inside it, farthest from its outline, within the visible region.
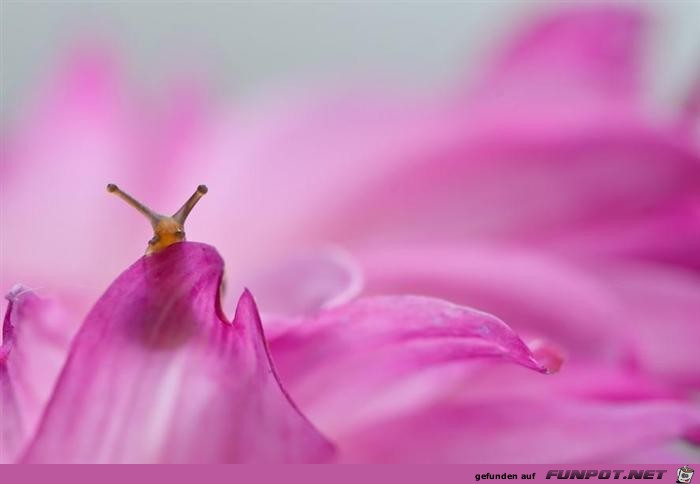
(544, 191)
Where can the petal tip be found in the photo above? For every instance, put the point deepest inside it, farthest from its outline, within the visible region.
(16, 295)
(247, 304)
(547, 356)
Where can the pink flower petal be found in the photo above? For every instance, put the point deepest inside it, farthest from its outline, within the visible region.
(384, 165)
(335, 364)
(602, 310)
(157, 374)
(36, 336)
(572, 58)
(521, 432)
(304, 283)
(502, 182)
(539, 295)
(283, 168)
(666, 234)
(504, 414)
(663, 311)
(389, 369)
(557, 138)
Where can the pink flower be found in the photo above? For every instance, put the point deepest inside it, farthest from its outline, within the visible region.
(158, 374)
(547, 195)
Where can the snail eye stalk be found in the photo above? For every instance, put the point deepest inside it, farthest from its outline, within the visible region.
(166, 230)
(181, 215)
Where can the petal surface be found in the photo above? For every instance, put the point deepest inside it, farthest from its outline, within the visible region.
(539, 295)
(413, 379)
(663, 311)
(501, 413)
(555, 135)
(521, 431)
(157, 374)
(598, 310)
(304, 283)
(512, 163)
(36, 336)
(597, 50)
(338, 363)
(668, 234)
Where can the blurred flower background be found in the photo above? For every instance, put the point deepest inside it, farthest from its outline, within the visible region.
(538, 162)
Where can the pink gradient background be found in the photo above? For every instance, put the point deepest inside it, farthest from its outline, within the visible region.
(544, 169)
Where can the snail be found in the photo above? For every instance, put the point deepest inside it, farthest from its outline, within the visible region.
(166, 230)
